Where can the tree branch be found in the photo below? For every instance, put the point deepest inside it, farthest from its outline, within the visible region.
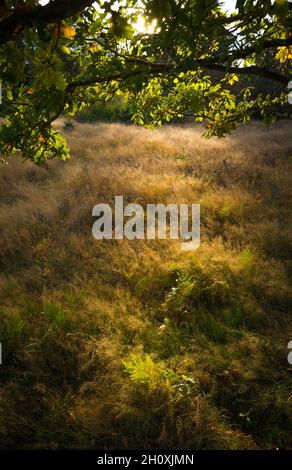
(249, 70)
(54, 11)
(243, 53)
(161, 68)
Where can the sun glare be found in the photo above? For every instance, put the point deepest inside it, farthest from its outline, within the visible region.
(141, 26)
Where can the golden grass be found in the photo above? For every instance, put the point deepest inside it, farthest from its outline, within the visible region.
(136, 344)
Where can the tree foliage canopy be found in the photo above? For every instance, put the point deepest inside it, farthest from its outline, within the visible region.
(197, 61)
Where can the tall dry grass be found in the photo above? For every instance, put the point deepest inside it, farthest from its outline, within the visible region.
(136, 344)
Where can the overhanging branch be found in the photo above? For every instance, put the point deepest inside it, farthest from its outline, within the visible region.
(56, 10)
(148, 68)
(249, 70)
(267, 44)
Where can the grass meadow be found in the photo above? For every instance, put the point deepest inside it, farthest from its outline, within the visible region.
(120, 344)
